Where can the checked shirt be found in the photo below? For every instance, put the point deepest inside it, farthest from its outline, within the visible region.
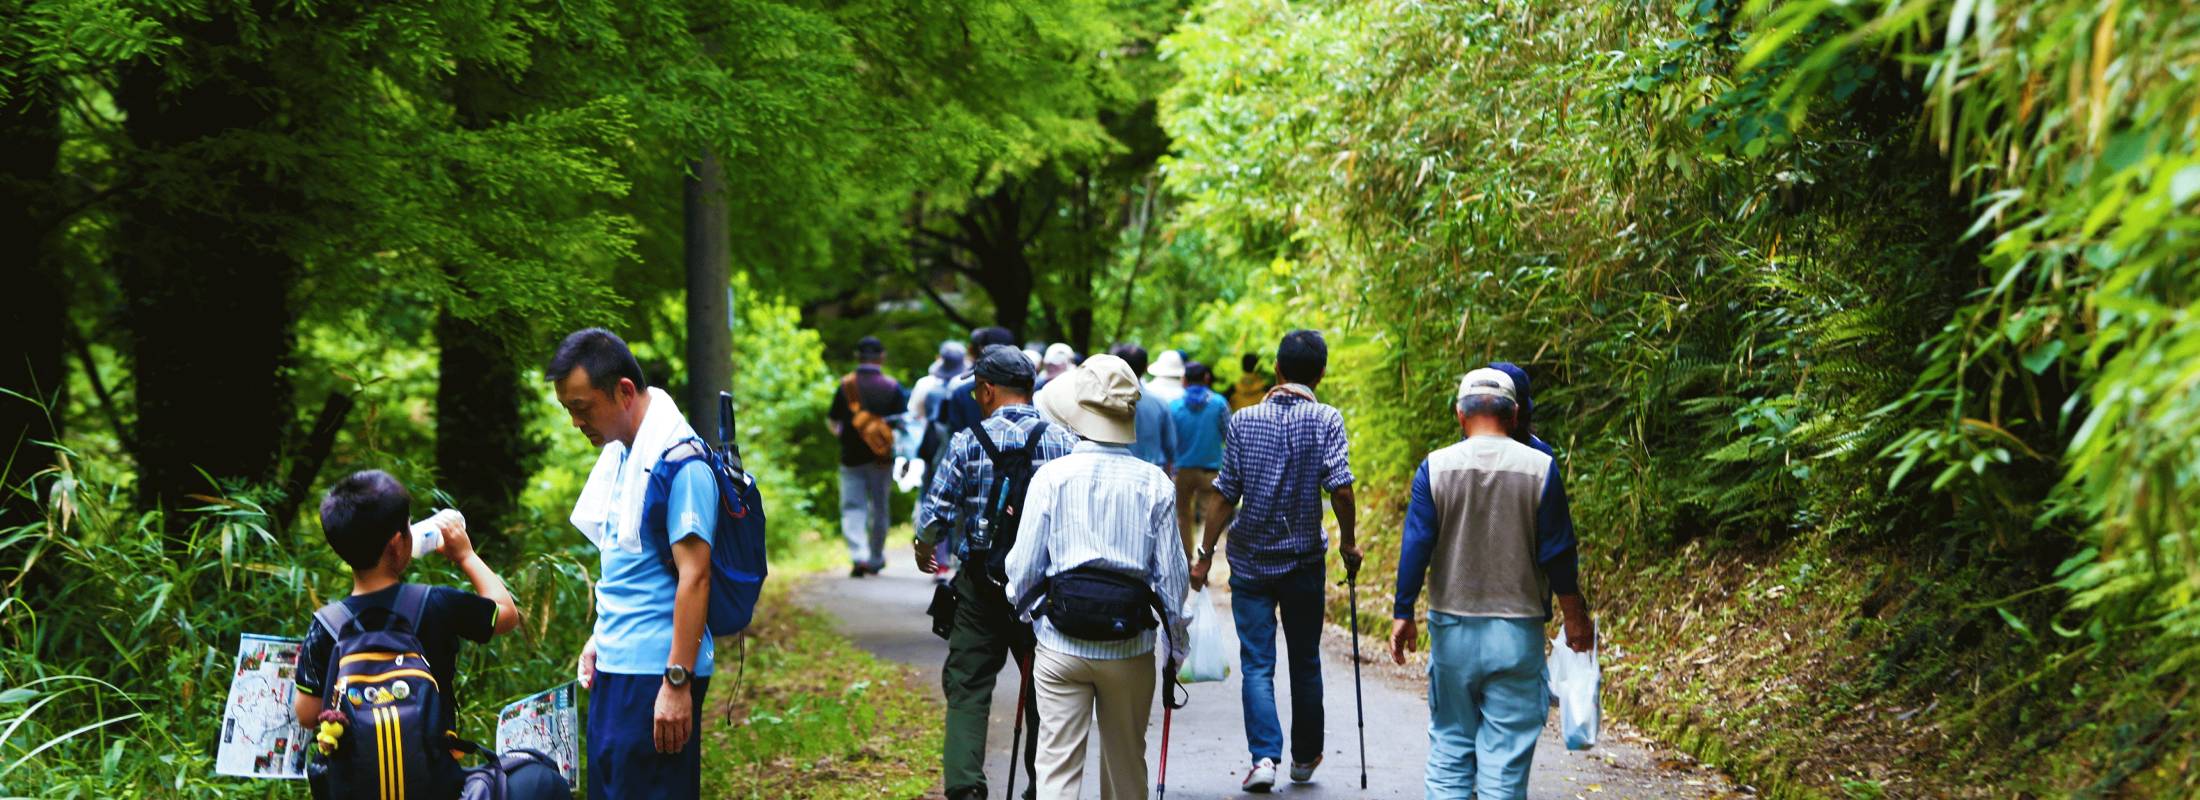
(958, 492)
(1278, 460)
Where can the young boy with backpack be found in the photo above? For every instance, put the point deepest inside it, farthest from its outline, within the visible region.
(379, 664)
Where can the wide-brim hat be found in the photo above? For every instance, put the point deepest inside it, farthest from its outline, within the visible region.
(1169, 365)
(1098, 400)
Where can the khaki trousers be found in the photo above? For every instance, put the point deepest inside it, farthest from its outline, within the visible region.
(1194, 487)
(1074, 693)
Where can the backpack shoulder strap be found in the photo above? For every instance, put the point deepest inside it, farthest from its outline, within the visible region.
(1031, 440)
(985, 442)
(412, 603)
(687, 449)
(333, 617)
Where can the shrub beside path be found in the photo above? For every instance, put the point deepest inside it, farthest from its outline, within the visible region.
(885, 615)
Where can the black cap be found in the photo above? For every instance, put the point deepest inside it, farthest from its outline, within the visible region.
(869, 346)
(1004, 365)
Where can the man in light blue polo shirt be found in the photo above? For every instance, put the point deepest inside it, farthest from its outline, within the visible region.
(648, 664)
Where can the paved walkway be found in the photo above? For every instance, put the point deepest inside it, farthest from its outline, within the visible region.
(1207, 759)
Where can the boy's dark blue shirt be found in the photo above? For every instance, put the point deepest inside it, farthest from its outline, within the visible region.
(451, 615)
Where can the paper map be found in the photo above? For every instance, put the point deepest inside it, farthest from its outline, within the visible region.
(547, 722)
(260, 733)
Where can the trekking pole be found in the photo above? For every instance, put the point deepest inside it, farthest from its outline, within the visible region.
(1016, 736)
(1352, 594)
(1161, 783)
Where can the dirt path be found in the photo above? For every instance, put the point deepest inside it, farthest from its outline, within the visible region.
(1207, 758)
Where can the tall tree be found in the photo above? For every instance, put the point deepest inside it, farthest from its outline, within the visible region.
(208, 284)
(36, 303)
(709, 328)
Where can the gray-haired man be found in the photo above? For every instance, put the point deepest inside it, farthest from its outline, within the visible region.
(1488, 523)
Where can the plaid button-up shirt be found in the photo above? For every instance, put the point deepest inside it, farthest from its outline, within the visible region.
(1278, 460)
(959, 489)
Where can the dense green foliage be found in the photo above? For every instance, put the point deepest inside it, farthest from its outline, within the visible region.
(1717, 237)
(1877, 315)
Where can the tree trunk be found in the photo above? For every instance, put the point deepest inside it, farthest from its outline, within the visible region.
(206, 285)
(709, 294)
(482, 453)
(35, 303)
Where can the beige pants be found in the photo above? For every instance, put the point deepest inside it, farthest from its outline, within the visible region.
(1075, 692)
(1194, 489)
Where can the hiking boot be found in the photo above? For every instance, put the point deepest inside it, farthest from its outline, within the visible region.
(967, 793)
(1301, 773)
(858, 571)
(1262, 777)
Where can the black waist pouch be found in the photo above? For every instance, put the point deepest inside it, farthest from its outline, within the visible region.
(1100, 605)
(942, 610)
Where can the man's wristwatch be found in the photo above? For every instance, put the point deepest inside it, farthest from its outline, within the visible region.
(1206, 553)
(677, 676)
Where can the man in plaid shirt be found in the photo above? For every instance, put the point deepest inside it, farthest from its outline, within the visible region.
(985, 630)
(1279, 457)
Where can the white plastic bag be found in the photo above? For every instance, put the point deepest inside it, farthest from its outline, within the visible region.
(1207, 646)
(1574, 681)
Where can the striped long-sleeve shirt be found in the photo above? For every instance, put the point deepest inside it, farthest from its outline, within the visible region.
(1100, 506)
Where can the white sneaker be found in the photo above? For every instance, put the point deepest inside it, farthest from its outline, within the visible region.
(1301, 773)
(1261, 777)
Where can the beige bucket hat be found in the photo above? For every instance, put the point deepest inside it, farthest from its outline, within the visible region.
(1098, 400)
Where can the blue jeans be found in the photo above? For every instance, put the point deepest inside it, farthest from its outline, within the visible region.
(623, 762)
(1254, 603)
(1487, 700)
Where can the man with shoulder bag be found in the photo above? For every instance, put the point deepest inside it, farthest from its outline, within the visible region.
(976, 500)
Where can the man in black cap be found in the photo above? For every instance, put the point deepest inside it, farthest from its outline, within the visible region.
(864, 404)
(984, 631)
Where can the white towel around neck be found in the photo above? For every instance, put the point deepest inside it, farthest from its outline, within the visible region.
(662, 427)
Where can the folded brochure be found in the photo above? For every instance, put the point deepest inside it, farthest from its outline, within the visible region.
(545, 722)
(260, 735)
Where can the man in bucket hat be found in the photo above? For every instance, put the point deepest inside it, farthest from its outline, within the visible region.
(1097, 544)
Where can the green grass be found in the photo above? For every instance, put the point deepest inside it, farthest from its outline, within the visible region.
(814, 717)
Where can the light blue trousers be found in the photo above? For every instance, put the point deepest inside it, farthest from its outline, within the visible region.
(1487, 700)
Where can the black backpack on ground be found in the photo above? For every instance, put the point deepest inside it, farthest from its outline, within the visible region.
(996, 533)
(519, 774)
(392, 747)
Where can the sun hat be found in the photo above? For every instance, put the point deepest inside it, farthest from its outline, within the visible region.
(1059, 354)
(952, 357)
(1486, 381)
(1098, 400)
(1169, 365)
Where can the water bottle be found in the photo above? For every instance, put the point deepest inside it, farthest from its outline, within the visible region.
(427, 534)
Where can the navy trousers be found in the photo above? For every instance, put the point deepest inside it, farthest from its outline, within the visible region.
(623, 762)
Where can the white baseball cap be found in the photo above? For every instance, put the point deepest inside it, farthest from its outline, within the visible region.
(1060, 354)
(1486, 382)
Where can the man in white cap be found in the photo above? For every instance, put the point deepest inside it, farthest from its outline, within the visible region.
(1059, 358)
(1487, 524)
(1095, 557)
(1168, 377)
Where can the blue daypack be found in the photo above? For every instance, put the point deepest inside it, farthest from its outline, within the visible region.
(737, 563)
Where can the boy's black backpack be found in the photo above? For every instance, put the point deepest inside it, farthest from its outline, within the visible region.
(996, 533)
(392, 747)
(737, 562)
